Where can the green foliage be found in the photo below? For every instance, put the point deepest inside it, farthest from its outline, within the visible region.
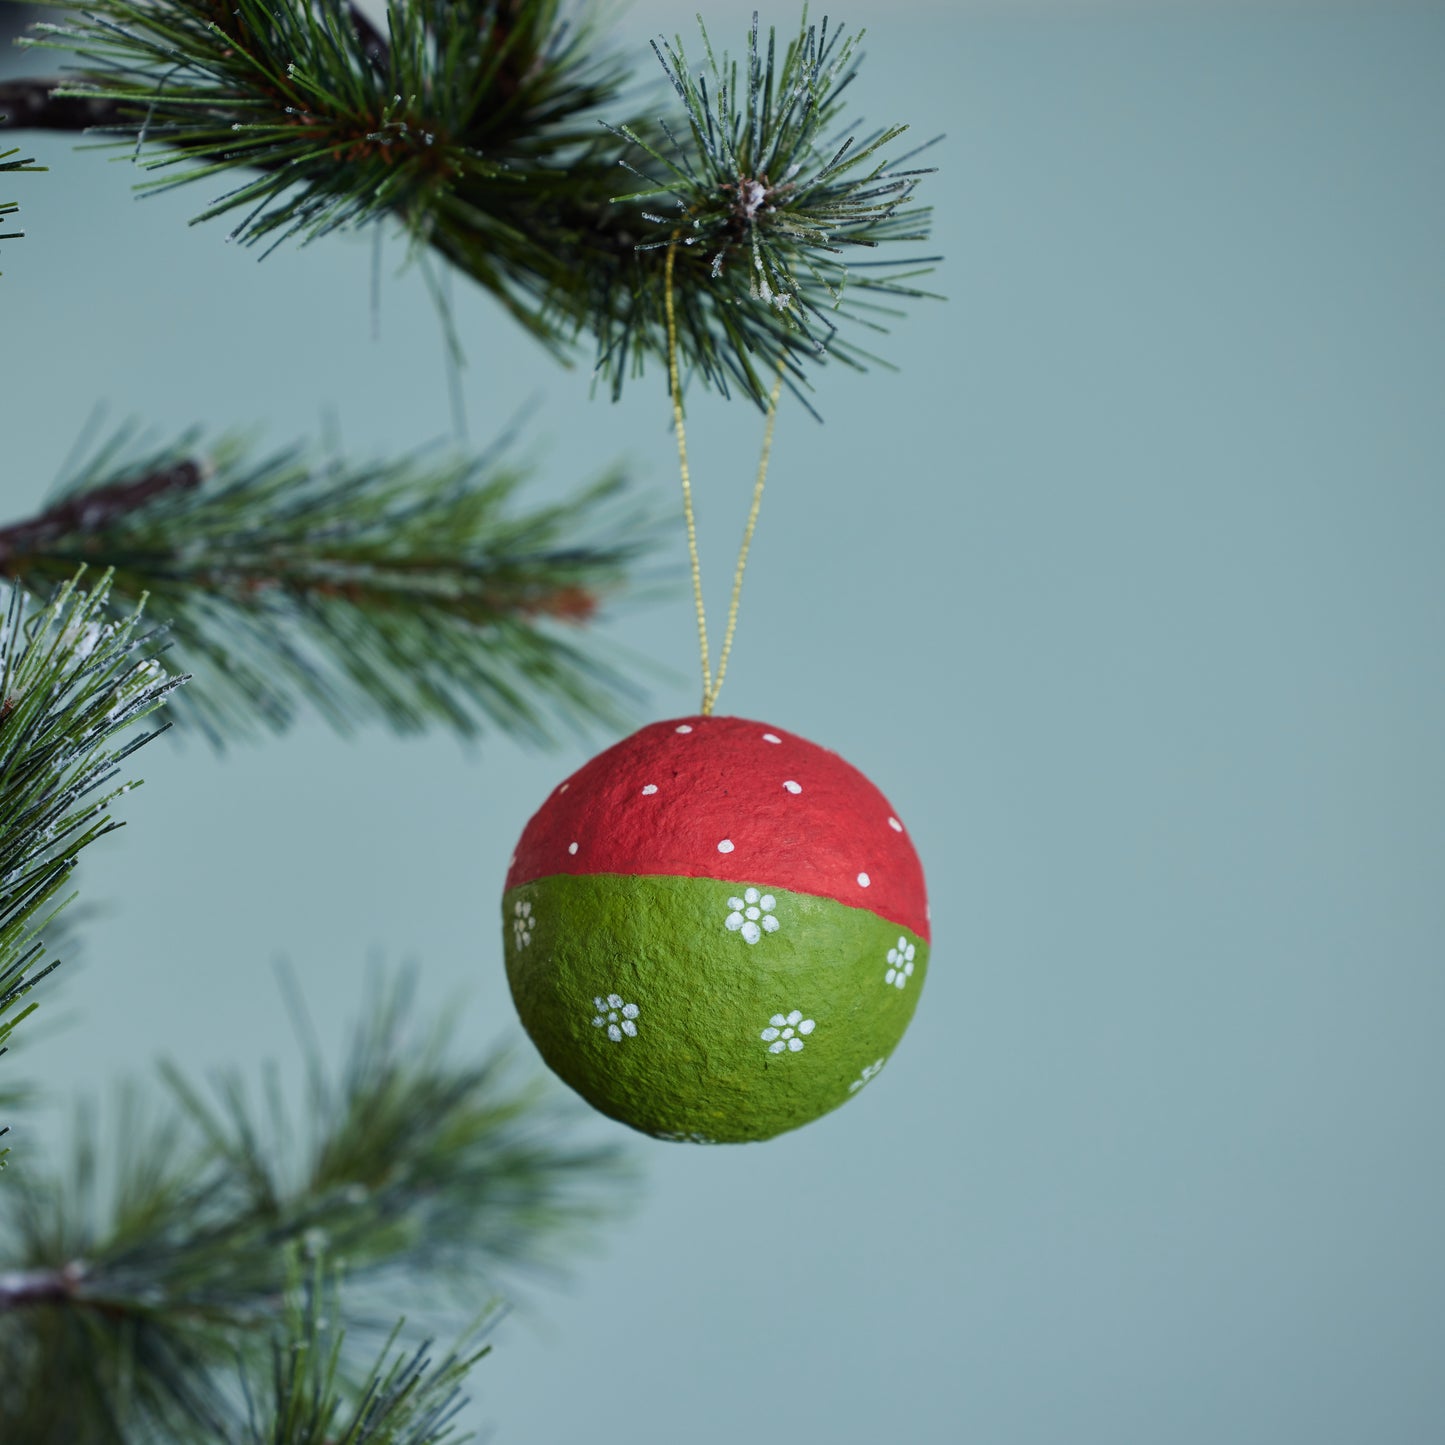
(478, 127)
(768, 201)
(343, 130)
(126, 1303)
(218, 1273)
(73, 679)
(411, 592)
(9, 208)
(404, 1399)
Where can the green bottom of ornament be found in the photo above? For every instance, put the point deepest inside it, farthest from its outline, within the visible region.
(671, 1008)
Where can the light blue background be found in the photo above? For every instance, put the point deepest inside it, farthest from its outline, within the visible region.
(1127, 591)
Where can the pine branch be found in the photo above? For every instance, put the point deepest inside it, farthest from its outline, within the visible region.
(405, 1398)
(72, 682)
(478, 129)
(406, 592)
(125, 1303)
(767, 191)
(95, 510)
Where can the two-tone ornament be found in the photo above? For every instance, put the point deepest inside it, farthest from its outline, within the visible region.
(716, 930)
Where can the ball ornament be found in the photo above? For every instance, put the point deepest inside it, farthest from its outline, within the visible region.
(715, 930)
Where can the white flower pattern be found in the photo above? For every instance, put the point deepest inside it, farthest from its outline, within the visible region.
(752, 915)
(522, 922)
(900, 964)
(870, 1071)
(786, 1033)
(616, 1017)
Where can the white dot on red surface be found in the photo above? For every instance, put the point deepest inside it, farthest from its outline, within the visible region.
(726, 846)
(571, 847)
(793, 787)
(649, 790)
(895, 825)
(864, 880)
(684, 728)
(771, 738)
(564, 787)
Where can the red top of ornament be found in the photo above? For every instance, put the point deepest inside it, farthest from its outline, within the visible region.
(722, 797)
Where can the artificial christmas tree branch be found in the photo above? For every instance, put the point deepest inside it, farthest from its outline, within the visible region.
(479, 129)
(73, 680)
(126, 1306)
(125, 1303)
(403, 591)
(299, 1396)
(196, 1291)
(89, 512)
(31, 102)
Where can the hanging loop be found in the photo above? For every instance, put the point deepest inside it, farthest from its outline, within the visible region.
(712, 687)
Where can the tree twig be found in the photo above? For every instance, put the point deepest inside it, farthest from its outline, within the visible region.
(27, 103)
(374, 43)
(92, 511)
(20, 1288)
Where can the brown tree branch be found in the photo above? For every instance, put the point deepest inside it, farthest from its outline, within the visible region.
(373, 43)
(90, 512)
(22, 1287)
(27, 103)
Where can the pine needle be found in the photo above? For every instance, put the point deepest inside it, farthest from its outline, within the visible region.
(410, 592)
(74, 678)
(130, 1291)
(489, 131)
(301, 1396)
(9, 208)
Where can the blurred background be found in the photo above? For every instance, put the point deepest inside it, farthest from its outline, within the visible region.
(1126, 589)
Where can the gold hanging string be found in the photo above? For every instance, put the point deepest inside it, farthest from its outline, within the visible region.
(686, 482)
(710, 687)
(722, 663)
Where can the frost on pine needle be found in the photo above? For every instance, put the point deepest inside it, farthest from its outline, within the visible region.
(73, 678)
(81, 637)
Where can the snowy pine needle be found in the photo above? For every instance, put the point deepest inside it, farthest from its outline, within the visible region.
(74, 677)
